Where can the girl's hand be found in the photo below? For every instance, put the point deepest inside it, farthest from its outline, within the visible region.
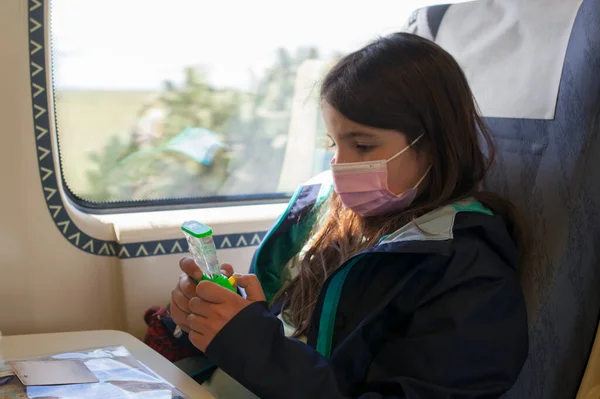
(186, 290)
(214, 306)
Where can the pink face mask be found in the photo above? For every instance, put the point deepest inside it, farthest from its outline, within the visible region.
(363, 186)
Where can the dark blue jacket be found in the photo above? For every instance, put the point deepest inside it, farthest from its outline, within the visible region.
(436, 315)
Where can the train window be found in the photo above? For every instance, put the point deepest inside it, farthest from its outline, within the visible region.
(199, 101)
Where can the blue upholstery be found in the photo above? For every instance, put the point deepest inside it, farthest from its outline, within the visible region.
(551, 170)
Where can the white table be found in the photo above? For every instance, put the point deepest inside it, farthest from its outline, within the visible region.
(30, 346)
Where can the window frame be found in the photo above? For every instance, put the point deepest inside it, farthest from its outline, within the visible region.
(168, 204)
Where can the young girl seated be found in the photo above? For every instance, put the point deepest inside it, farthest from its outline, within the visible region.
(391, 276)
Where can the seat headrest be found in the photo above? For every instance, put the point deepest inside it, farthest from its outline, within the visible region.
(512, 51)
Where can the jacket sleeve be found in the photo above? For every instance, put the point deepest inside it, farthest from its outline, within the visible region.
(253, 350)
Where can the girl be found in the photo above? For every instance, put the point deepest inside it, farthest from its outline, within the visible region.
(392, 276)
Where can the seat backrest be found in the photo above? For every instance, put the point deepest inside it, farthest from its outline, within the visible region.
(534, 67)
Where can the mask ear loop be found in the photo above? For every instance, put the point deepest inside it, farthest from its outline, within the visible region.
(423, 177)
(406, 148)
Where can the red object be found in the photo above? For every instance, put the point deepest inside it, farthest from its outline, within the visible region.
(159, 338)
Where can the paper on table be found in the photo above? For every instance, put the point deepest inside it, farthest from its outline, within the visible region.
(120, 376)
(53, 372)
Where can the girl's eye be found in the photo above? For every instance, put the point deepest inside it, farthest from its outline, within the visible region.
(328, 142)
(364, 148)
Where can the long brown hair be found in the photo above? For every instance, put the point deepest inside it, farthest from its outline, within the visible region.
(406, 83)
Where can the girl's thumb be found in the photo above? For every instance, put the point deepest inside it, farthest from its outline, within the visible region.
(250, 284)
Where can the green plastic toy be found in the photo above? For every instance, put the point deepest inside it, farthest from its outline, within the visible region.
(202, 247)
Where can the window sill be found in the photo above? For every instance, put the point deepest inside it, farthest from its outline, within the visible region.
(148, 226)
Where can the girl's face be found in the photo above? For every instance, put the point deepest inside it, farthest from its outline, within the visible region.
(353, 142)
